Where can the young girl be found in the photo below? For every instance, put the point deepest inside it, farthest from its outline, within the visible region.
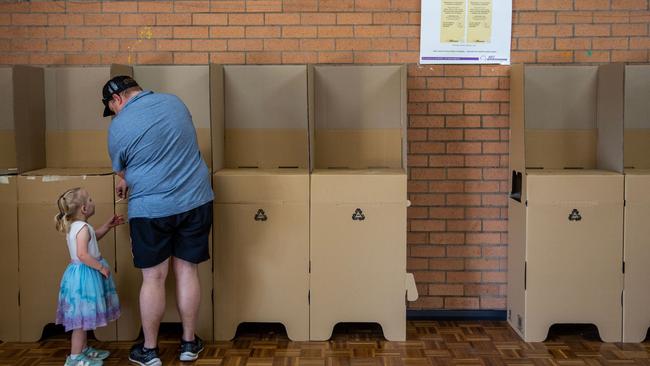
(87, 298)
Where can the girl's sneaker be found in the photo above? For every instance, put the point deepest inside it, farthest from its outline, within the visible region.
(98, 354)
(82, 360)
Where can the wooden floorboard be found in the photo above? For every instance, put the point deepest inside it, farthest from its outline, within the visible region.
(429, 343)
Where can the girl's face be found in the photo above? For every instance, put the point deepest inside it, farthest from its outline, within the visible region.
(88, 208)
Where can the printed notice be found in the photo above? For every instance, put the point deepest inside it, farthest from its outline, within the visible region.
(452, 21)
(479, 21)
(465, 32)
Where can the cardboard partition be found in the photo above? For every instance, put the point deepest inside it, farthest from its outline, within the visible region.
(574, 226)
(22, 119)
(43, 254)
(637, 117)
(76, 130)
(192, 85)
(128, 280)
(636, 300)
(261, 243)
(259, 116)
(360, 116)
(571, 116)
(363, 262)
(10, 314)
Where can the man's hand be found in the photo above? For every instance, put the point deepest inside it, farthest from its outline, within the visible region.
(121, 189)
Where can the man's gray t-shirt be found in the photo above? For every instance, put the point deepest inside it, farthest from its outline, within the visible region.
(153, 141)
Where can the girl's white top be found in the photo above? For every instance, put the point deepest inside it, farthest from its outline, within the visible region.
(93, 247)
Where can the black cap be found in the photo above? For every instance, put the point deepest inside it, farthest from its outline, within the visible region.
(116, 85)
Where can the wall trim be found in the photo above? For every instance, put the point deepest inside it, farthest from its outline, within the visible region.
(456, 315)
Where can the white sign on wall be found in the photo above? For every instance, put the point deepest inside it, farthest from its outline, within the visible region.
(465, 32)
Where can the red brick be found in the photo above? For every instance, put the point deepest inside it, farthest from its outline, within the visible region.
(263, 32)
(173, 19)
(191, 58)
(44, 59)
(228, 58)
(592, 4)
(446, 186)
(82, 59)
(483, 238)
(263, 58)
(426, 121)
(299, 32)
(335, 57)
(629, 29)
(417, 161)
(354, 18)
(371, 57)
(100, 45)
(372, 31)
(462, 95)
(317, 44)
(335, 31)
(445, 108)
(281, 44)
(64, 45)
(137, 19)
(447, 238)
(299, 5)
(481, 160)
(574, 17)
(120, 7)
(226, 6)
(209, 45)
(427, 302)
(523, 30)
(155, 7)
(427, 251)
(155, 58)
(372, 5)
(494, 200)
(404, 31)
(190, 32)
(390, 18)
(537, 17)
(535, 43)
(463, 121)
(174, 45)
(612, 17)
(133, 45)
(447, 264)
(318, 18)
(555, 5)
(417, 213)
(463, 277)
(245, 45)
(630, 56)
(194, 6)
(61, 19)
(245, 19)
(461, 303)
(335, 5)
(30, 45)
(421, 95)
(490, 303)
(427, 225)
(101, 19)
(445, 161)
(263, 6)
(49, 7)
(482, 290)
(209, 19)
(463, 199)
(227, 32)
(592, 30)
(481, 186)
(427, 173)
(464, 173)
(388, 44)
(629, 4)
(446, 213)
(82, 32)
(481, 108)
(524, 5)
(611, 43)
(422, 199)
(446, 290)
(282, 19)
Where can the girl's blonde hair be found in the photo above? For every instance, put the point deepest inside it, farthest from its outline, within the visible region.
(69, 203)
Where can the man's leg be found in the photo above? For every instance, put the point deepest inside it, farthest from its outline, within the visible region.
(152, 301)
(188, 295)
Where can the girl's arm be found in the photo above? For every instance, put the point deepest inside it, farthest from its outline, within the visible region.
(83, 238)
(111, 223)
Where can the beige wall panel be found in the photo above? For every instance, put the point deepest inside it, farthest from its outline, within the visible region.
(262, 267)
(636, 301)
(516, 265)
(362, 263)
(43, 252)
(358, 149)
(559, 149)
(78, 149)
(266, 148)
(637, 148)
(7, 150)
(574, 267)
(10, 314)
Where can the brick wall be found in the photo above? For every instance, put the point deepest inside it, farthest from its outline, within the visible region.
(458, 115)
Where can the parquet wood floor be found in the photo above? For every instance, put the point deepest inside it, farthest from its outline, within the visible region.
(429, 343)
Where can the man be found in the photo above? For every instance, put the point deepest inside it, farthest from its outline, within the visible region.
(153, 147)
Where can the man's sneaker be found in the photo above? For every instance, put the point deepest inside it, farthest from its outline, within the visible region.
(98, 354)
(82, 360)
(144, 356)
(190, 350)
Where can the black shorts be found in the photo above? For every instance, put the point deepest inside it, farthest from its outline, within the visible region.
(184, 236)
